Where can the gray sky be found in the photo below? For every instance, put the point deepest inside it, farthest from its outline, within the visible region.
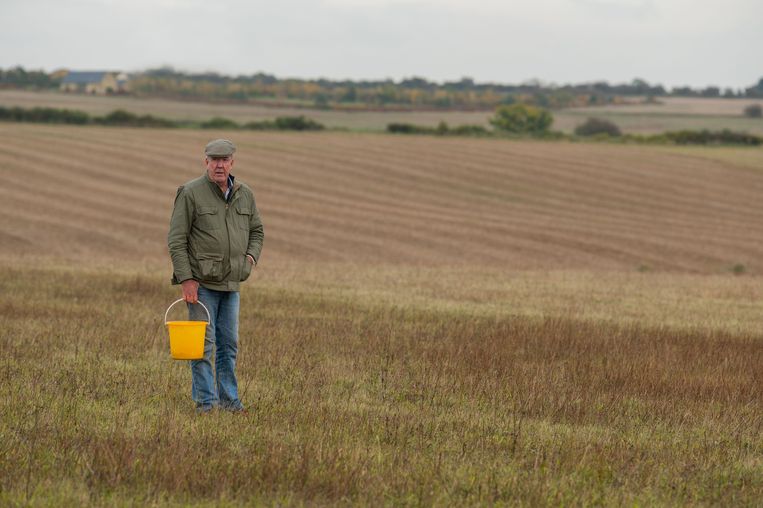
(672, 42)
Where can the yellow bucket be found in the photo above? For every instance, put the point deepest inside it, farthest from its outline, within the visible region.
(186, 337)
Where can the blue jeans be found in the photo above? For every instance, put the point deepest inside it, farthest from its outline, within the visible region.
(210, 390)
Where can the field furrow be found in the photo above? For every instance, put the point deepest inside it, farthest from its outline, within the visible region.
(392, 199)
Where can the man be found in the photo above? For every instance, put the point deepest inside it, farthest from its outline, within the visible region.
(215, 240)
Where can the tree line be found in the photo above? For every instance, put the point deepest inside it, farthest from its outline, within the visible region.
(517, 120)
(122, 118)
(522, 120)
(409, 93)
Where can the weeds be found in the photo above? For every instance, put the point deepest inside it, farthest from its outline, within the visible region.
(373, 404)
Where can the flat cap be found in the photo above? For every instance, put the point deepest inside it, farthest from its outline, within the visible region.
(219, 148)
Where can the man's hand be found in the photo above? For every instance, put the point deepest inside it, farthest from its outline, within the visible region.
(190, 290)
(250, 259)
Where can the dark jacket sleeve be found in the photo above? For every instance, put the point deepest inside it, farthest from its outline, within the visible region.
(177, 238)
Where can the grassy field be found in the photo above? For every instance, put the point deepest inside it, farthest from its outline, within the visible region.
(668, 114)
(672, 113)
(433, 321)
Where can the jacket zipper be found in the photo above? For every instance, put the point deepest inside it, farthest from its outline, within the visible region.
(227, 229)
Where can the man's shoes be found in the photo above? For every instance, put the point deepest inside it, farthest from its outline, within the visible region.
(204, 409)
(239, 410)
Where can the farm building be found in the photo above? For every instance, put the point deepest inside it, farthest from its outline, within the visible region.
(100, 82)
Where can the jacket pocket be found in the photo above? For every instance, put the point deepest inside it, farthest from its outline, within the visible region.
(206, 218)
(243, 214)
(246, 270)
(211, 267)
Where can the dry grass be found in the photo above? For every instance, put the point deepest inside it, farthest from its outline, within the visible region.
(460, 322)
(368, 404)
(681, 302)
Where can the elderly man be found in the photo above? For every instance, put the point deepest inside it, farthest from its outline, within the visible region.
(215, 239)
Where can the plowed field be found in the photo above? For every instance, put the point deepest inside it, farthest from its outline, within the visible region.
(100, 193)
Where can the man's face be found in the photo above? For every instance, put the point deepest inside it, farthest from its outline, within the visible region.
(218, 168)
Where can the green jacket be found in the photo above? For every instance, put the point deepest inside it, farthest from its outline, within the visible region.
(209, 238)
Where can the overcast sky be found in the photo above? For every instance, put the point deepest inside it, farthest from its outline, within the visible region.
(671, 42)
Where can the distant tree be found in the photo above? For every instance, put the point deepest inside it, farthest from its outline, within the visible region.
(264, 125)
(403, 128)
(44, 115)
(17, 77)
(416, 82)
(755, 91)
(122, 118)
(261, 77)
(594, 126)
(219, 123)
(465, 83)
(321, 101)
(297, 123)
(684, 91)
(711, 91)
(521, 119)
(286, 123)
(469, 130)
(541, 99)
(351, 95)
(119, 117)
(443, 102)
(640, 86)
(753, 111)
(706, 137)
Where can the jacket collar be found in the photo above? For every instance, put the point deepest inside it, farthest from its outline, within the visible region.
(232, 185)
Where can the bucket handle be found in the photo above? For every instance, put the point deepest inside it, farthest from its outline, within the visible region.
(209, 318)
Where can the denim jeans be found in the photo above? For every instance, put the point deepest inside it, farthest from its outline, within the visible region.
(220, 388)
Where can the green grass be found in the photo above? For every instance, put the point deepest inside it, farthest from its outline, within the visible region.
(363, 401)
